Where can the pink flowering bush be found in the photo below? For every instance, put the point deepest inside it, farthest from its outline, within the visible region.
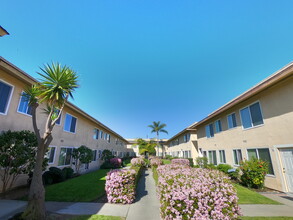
(181, 162)
(116, 162)
(120, 186)
(137, 162)
(155, 162)
(195, 193)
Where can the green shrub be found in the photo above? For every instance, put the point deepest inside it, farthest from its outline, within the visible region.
(47, 178)
(146, 163)
(202, 162)
(107, 165)
(67, 172)
(168, 157)
(211, 166)
(224, 167)
(253, 172)
(191, 162)
(57, 174)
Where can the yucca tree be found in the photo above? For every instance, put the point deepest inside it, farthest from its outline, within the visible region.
(56, 86)
(158, 128)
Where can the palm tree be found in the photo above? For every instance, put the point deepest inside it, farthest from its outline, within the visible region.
(54, 89)
(158, 128)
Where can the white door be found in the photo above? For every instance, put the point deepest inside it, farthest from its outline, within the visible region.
(287, 158)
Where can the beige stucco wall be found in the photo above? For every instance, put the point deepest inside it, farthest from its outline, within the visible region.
(191, 145)
(83, 135)
(277, 109)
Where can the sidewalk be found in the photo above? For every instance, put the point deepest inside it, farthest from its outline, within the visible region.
(286, 209)
(146, 205)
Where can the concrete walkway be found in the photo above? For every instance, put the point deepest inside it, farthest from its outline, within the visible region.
(286, 209)
(145, 207)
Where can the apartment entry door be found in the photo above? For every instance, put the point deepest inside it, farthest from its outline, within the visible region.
(287, 159)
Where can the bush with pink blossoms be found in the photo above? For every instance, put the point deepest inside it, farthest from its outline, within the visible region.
(116, 162)
(137, 162)
(181, 162)
(155, 162)
(120, 186)
(195, 193)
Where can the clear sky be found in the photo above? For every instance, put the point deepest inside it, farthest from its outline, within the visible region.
(139, 61)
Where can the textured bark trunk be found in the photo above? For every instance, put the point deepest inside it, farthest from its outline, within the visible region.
(36, 202)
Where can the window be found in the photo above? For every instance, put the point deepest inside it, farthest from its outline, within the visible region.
(218, 126)
(204, 153)
(94, 155)
(101, 134)
(50, 154)
(65, 156)
(263, 154)
(105, 136)
(210, 131)
(213, 157)
(222, 156)
(96, 135)
(100, 154)
(58, 122)
(5, 95)
(23, 106)
(70, 123)
(237, 156)
(232, 121)
(251, 116)
(186, 138)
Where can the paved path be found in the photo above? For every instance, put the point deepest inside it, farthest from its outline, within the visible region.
(147, 205)
(286, 209)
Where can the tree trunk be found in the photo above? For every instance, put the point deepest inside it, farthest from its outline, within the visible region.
(36, 201)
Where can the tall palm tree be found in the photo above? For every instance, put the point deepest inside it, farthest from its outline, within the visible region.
(158, 128)
(54, 89)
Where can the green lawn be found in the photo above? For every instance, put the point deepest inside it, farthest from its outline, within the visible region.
(165, 161)
(85, 188)
(247, 196)
(266, 218)
(96, 217)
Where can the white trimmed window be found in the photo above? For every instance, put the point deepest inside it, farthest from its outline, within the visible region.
(210, 131)
(237, 154)
(218, 126)
(50, 155)
(101, 134)
(212, 157)
(186, 137)
(251, 116)
(96, 134)
(231, 121)
(222, 156)
(109, 138)
(23, 106)
(65, 156)
(94, 155)
(263, 154)
(70, 123)
(5, 96)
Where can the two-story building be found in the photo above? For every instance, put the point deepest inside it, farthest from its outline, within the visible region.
(258, 123)
(74, 128)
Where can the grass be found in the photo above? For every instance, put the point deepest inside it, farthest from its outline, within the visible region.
(96, 217)
(266, 218)
(85, 188)
(247, 196)
(155, 175)
(165, 161)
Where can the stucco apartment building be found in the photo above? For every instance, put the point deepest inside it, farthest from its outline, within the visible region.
(75, 127)
(258, 123)
(183, 144)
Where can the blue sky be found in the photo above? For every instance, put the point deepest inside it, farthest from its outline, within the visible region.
(147, 60)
